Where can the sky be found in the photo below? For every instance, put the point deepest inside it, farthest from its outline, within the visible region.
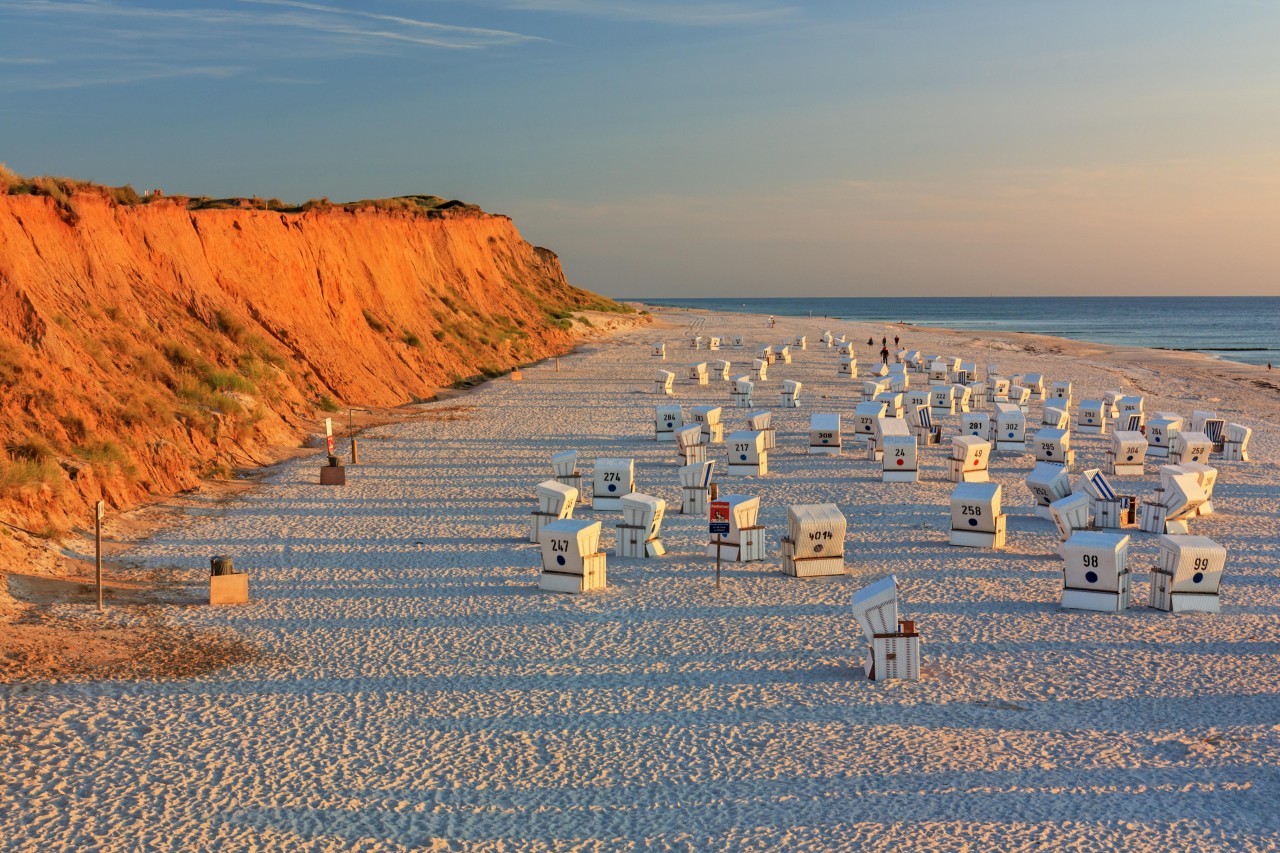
(706, 147)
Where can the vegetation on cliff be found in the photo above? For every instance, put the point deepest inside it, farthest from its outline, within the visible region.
(145, 342)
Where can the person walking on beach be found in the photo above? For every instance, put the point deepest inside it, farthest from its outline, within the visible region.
(884, 342)
(884, 355)
(895, 341)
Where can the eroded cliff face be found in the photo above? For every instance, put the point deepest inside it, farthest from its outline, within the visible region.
(144, 346)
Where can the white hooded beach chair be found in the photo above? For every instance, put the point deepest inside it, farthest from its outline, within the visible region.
(747, 456)
(864, 419)
(1021, 397)
(555, 502)
(761, 421)
(708, 417)
(738, 342)
(783, 353)
(1011, 427)
(960, 396)
(1048, 482)
(742, 391)
(660, 350)
(640, 532)
(1092, 417)
(1052, 416)
(939, 372)
(1215, 429)
(662, 385)
(791, 394)
(696, 488)
(1190, 447)
(720, 370)
(800, 342)
(760, 369)
(976, 519)
(824, 434)
(698, 374)
(977, 424)
(1206, 477)
(666, 420)
(1110, 510)
(847, 366)
(814, 544)
(690, 447)
(1070, 514)
(1160, 434)
(969, 459)
(767, 354)
(745, 541)
(713, 343)
(1035, 383)
(1127, 455)
(1132, 407)
(564, 467)
(883, 428)
(827, 339)
(1095, 572)
(571, 559)
(1176, 500)
(900, 459)
(1054, 445)
(1187, 575)
(920, 422)
(1236, 443)
(892, 644)
(1198, 418)
(873, 388)
(610, 480)
(1061, 391)
(892, 401)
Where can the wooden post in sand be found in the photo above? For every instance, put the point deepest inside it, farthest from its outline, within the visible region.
(98, 511)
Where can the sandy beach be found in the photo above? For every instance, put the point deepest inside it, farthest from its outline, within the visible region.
(413, 689)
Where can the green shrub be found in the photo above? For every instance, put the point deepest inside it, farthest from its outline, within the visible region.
(228, 324)
(12, 361)
(28, 474)
(374, 323)
(31, 448)
(328, 404)
(226, 380)
(411, 339)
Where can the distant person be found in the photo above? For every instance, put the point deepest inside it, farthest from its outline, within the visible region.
(884, 342)
(1268, 365)
(895, 340)
(871, 342)
(884, 354)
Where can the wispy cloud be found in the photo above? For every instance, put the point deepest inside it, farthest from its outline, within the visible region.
(692, 13)
(22, 60)
(443, 35)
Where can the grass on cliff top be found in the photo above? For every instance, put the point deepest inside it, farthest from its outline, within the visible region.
(62, 191)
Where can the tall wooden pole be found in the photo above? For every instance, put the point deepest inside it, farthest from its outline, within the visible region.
(97, 548)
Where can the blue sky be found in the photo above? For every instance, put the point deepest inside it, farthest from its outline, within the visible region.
(729, 147)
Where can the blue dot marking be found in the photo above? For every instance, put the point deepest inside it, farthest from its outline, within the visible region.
(973, 522)
(560, 559)
(1197, 577)
(1091, 577)
(743, 457)
(613, 487)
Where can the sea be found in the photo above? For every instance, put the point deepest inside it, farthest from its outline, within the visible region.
(1236, 328)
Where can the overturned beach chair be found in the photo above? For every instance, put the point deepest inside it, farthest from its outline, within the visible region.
(791, 394)
(747, 456)
(571, 559)
(564, 468)
(696, 488)
(824, 434)
(1110, 510)
(1187, 575)
(1161, 431)
(761, 421)
(1236, 443)
(640, 532)
(708, 417)
(900, 459)
(1052, 416)
(1206, 477)
(610, 480)
(968, 460)
(1092, 417)
(1048, 482)
(976, 519)
(662, 385)
(745, 541)
(893, 645)
(666, 420)
(555, 502)
(690, 448)
(1176, 500)
(814, 544)
(1070, 514)
(1127, 455)
(1095, 572)
(741, 393)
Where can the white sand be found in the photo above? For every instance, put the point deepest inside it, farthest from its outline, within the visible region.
(417, 690)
